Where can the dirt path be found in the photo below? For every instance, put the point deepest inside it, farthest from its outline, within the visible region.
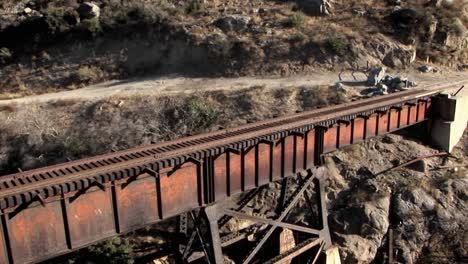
(175, 85)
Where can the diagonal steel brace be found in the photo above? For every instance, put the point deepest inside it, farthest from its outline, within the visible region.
(308, 181)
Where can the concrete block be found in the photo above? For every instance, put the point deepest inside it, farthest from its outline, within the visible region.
(446, 107)
(333, 256)
(287, 242)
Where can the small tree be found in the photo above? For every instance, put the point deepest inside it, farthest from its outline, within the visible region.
(112, 251)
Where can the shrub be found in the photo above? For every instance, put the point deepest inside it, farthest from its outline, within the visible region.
(201, 114)
(5, 55)
(297, 20)
(86, 74)
(55, 19)
(194, 6)
(336, 46)
(74, 147)
(113, 251)
(146, 14)
(192, 116)
(91, 26)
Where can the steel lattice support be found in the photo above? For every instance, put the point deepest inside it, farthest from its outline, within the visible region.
(319, 236)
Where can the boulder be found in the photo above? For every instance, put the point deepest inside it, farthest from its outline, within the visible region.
(394, 2)
(425, 68)
(405, 17)
(316, 7)
(356, 249)
(441, 3)
(88, 10)
(375, 76)
(382, 88)
(339, 87)
(421, 199)
(27, 10)
(233, 23)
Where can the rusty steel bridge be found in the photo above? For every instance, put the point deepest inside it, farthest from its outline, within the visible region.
(50, 211)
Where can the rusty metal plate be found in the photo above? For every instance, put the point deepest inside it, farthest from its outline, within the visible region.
(3, 249)
(179, 190)
(413, 115)
(220, 177)
(90, 216)
(137, 202)
(371, 126)
(404, 116)
(345, 134)
(289, 156)
(249, 169)
(358, 129)
(330, 139)
(264, 162)
(37, 232)
(235, 173)
(310, 148)
(277, 160)
(394, 119)
(300, 154)
(421, 111)
(382, 127)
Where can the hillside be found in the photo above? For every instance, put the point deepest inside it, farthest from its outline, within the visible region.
(79, 79)
(56, 45)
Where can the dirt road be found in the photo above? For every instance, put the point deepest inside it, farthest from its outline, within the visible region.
(173, 85)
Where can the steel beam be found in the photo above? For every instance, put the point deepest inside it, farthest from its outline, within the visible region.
(296, 251)
(273, 222)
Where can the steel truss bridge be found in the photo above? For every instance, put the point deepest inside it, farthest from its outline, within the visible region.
(54, 210)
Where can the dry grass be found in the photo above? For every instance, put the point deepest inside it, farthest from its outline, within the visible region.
(71, 129)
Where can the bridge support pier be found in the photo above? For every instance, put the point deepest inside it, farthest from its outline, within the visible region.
(450, 119)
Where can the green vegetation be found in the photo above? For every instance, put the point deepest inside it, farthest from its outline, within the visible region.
(55, 19)
(5, 55)
(85, 74)
(337, 46)
(113, 251)
(297, 20)
(92, 26)
(200, 114)
(194, 6)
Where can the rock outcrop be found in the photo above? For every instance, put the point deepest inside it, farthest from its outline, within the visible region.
(88, 10)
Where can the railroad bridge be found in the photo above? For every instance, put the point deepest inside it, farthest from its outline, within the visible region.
(54, 210)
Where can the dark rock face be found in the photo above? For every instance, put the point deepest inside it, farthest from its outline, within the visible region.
(405, 18)
(88, 10)
(315, 7)
(232, 23)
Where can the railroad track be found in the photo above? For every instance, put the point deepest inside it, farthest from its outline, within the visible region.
(71, 176)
